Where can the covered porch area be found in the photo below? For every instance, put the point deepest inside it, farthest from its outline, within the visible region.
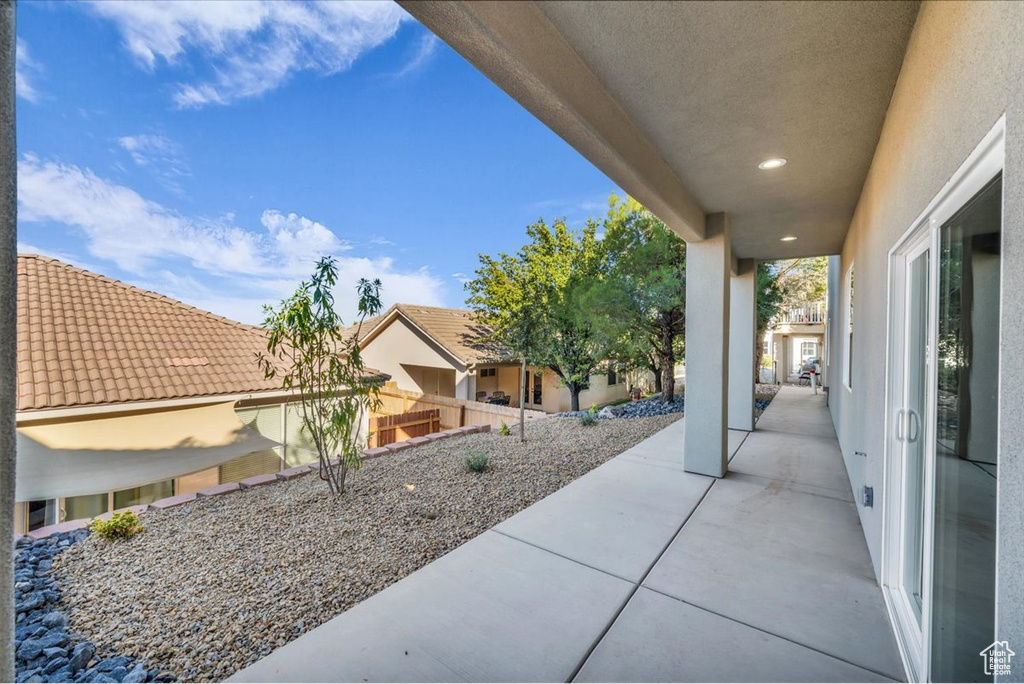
(641, 571)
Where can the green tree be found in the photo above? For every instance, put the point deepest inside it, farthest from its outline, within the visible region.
(769, 302)
(802, 281)
(515, 322)
(640, 306)
(783, 285)
(308, 351)
(534, 301)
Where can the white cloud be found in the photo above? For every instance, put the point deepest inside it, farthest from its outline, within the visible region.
(596, 206)
(233, 270)
(253, 47)
(161, 156)
(124, 227)
(425, 51)
(146, 149)
(25, 71)
(296, 237)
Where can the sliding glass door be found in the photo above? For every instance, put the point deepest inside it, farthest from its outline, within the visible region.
(942, 469)
(911, 396)
(966, 453)
(911, 427)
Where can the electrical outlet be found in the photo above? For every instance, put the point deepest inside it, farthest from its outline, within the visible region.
(867, 496)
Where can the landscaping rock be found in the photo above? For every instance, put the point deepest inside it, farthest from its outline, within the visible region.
(81, 656)
(54, 619)
(42, 642)
(138, 674)
(54, 665)
(216, 585)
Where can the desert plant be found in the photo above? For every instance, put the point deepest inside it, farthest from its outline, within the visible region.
(503, 430)
(588, 418)
(124, 525)
(308, 351)
(476, 463)
(593, 409)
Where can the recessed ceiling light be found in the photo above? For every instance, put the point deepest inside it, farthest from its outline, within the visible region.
(773, 163)
(788, 238)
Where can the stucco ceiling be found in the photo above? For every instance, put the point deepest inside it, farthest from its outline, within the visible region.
(679, 102)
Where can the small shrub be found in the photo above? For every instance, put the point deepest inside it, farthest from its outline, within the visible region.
(477, 463)
(588, 418)
(124, 525)
(503, 430)
(593, 409)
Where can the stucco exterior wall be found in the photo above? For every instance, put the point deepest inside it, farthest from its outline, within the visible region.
(402, 352)
(599, 392)
(964, 68)
(784, 348)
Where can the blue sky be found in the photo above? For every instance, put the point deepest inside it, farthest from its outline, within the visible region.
(211, 151)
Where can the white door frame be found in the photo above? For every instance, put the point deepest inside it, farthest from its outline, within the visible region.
(983, 164)
(911, 634)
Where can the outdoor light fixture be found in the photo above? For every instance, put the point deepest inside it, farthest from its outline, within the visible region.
(772, 163)
(788, 238)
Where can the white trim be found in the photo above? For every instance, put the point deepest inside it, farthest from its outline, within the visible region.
(848, 277)
(985, 162)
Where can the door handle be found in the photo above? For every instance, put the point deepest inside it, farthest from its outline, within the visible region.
(914, 424)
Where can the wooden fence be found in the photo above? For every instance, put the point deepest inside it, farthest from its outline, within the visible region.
(454, 412)
(386, 430)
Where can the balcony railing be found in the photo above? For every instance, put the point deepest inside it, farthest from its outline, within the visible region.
(811, 313)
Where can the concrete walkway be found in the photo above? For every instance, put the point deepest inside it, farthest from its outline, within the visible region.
(639, 571)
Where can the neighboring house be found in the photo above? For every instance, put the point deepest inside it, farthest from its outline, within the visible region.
(442, 351)
(797, 338)
(126, 396)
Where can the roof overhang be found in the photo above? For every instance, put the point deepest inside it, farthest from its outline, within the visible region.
(62, 413)
(97, 455)
(679, 102)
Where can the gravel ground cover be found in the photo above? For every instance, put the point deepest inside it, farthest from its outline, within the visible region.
(214, 585)
(44, 650)
(763, 395)
(654, 406)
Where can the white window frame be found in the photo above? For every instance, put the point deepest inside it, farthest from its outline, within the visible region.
(848, 336)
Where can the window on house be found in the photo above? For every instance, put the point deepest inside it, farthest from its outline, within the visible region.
(87, 506)
(42, 513)
(488, 372)
(146, 494)
(613, 378)
(848, 363)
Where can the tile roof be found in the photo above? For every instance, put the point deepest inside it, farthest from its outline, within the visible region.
(456, 330)
(85, 340)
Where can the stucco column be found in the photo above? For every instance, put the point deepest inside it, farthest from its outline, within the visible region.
(464, 384)
(708, 272)
(742, 334)
(8, 322)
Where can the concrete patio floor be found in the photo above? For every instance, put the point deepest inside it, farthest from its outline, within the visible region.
(639, 571)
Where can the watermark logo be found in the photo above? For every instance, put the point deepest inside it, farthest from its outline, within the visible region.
(997, 658)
